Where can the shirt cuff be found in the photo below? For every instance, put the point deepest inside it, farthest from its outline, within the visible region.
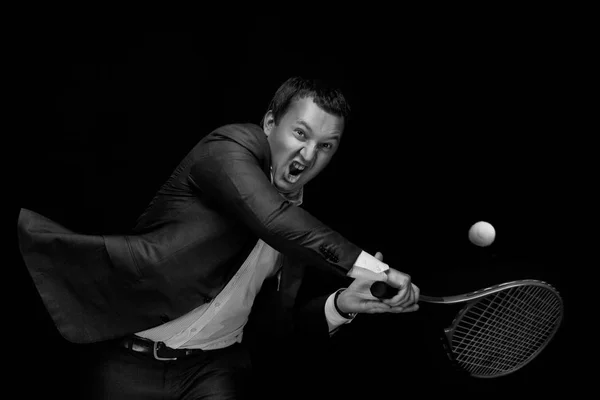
(368, 267)
(334, 319)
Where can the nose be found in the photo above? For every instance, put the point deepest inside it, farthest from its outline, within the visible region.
(308, 153)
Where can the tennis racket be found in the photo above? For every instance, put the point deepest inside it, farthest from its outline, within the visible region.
(499, 329)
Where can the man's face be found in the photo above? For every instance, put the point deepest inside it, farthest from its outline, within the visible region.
(306, 136)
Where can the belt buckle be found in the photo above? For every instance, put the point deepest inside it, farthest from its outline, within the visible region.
(155, 352)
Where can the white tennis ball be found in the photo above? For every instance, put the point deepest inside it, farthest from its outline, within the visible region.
(482, 234)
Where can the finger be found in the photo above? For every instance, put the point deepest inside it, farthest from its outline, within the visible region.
(401, 281)
(373, 306)
(406, 301)
(411, 308)
(398, 299)
(403, 295)
(399, 309)
(366, 274)
(414, 294)
(379, 256)
(417, 292)
(396, 278)
(412, 297)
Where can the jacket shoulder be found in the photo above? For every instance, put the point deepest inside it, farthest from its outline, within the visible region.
(228, 139)
(250, 136)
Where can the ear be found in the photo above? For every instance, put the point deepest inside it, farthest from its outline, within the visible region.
(268, 122)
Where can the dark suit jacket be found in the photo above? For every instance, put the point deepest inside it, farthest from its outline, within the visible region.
(192, 238)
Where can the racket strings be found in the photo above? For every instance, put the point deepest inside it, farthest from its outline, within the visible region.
(513, 346)
(502, 351)
(508, 317)
(474, 352)
(508, 329)
(503, 331)
(506, 351)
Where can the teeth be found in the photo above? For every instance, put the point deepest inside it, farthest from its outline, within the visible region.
(292, 178)
(299, 166)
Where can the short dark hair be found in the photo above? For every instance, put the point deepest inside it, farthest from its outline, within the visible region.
(325, 94)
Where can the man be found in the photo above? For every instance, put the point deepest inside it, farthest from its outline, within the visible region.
(175, 295)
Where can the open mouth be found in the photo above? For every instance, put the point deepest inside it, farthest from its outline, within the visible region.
(294, 172)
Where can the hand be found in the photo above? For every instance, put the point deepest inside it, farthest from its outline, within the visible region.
(408, 294)
(357, 298)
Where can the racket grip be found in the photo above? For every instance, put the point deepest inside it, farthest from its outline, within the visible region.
(382, 290)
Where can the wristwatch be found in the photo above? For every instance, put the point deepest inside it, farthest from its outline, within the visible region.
(343, 314)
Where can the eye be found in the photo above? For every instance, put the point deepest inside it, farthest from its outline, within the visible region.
(328, 146)
(300, 132)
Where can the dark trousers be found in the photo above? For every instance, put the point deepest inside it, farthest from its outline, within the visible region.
(120, 373)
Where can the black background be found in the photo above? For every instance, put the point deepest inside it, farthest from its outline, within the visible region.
(451, 125)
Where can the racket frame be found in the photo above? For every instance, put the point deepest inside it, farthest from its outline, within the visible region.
(471, 299)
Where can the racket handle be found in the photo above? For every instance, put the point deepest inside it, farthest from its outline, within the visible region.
(382, 290)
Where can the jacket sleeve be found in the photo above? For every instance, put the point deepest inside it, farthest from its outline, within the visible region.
(227, 166)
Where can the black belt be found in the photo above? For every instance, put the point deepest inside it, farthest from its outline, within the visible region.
(158, 350)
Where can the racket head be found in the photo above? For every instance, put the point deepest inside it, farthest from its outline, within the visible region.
(502, 328)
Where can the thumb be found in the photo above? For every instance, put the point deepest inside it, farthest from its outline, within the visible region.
(379, 256)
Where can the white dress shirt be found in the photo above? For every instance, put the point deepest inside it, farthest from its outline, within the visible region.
(220, 322)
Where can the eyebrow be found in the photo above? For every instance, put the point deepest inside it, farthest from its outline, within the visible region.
(335, 136)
